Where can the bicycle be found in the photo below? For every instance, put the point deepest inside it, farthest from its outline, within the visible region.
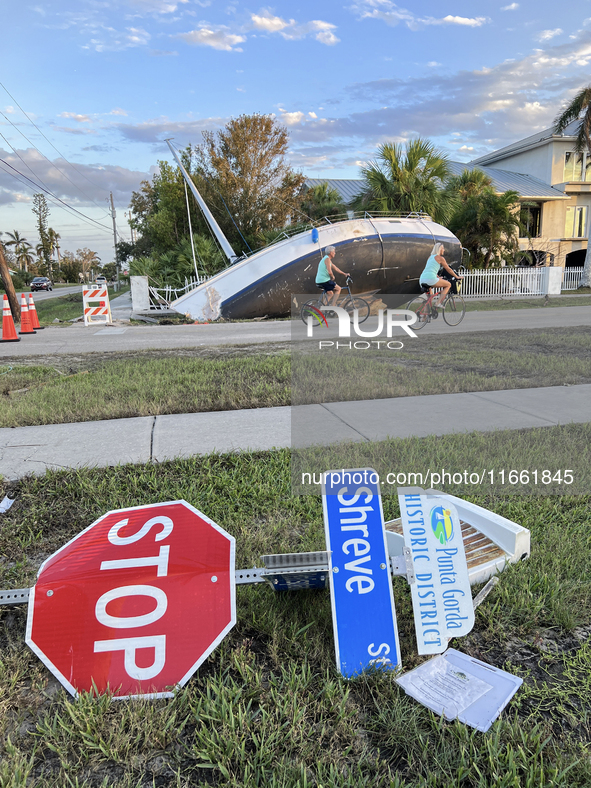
(350, 304)
(454, 308)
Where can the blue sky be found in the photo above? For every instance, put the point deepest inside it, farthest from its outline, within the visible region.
(104, 82)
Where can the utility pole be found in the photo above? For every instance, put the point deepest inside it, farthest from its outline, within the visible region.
(113, 214)
(9, 287)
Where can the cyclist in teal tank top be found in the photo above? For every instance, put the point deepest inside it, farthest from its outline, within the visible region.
(325, 276)
(430, 276)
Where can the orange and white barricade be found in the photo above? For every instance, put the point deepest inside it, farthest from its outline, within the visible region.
(97, 308)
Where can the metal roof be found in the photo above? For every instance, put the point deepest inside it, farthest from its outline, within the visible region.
(346, 187)
(539, 138)
(502, 180)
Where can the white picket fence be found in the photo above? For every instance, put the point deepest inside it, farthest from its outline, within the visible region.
(511, 281)
(571, 277)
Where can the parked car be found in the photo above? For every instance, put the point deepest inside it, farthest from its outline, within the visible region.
(101, 280)
(41, 283)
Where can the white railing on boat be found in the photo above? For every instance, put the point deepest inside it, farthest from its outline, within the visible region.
(162, 297)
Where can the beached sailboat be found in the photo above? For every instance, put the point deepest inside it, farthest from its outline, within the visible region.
(383, 253)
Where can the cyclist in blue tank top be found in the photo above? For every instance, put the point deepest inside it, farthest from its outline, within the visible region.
(430, 275)
(325, 276)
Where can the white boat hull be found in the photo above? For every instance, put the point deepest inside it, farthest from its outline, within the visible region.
(383, 255)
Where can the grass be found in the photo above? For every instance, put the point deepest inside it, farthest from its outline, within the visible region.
(122, 388)
(267, 708)
(97, 386)
(523, 461)
(527, 302)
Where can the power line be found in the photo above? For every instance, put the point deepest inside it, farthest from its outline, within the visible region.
(53, 164)
(64, 204)
(53, 146)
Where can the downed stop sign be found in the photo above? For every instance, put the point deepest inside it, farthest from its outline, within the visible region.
(136, 602)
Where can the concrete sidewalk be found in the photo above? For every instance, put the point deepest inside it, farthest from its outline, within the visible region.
(33, 450)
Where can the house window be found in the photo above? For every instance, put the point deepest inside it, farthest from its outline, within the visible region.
(576, 222)
(577, 166)
(529, 219)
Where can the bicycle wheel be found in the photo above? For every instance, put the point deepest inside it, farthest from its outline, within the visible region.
(454, 310)
(360, 305)
(419, 306)
(310, 309)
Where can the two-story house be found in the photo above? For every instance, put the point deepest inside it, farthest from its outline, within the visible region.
(558, 228)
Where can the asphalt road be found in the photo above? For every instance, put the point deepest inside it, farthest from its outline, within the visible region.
(123, 337)
(43, 295)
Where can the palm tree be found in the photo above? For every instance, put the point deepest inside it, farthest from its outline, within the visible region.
(321, 200)
(22, 249)
(54, 239)
(406, 179)
(471, 183)
(579, 109)
(484, 221)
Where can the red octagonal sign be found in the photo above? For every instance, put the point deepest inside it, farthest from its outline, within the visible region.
(136, 602)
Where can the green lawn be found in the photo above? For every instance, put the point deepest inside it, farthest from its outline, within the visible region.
(98, 386)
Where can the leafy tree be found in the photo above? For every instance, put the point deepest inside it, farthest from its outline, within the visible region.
(245, 178)
(109, 270)
(579, 109)
(41, 211)
(159, 211)
(485, 222)
(175, 267)
(321, 200)
(71, 267)
(406, 178)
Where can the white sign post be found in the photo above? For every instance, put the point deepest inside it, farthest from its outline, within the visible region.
(440, 588)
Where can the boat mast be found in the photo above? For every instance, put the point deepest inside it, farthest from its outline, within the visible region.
(222, 240)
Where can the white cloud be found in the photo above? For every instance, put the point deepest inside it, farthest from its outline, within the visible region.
(313, 115)
(292, 30)
(74, 116)
(219, 38)
(393, 15)
(117, 111)
(270, 24)
(546, 35)
(433, 64)
(512, 7)
(107, 39)
(456, 20)
(157, 6)
(292, 118)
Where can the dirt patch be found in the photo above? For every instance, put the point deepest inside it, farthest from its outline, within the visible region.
(70, 363)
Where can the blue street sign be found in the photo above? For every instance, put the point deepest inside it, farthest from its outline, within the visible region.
(363, 613)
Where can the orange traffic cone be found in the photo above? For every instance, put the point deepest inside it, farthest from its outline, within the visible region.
(26, 324)
(8, 329)
(33, 314)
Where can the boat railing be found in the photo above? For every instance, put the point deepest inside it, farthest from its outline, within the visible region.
(336, 219)
(162, 297)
